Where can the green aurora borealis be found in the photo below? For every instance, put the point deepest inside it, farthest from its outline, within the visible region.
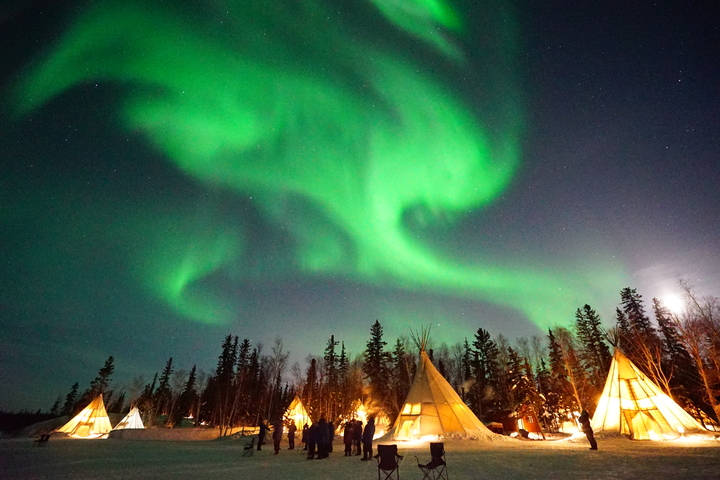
(337, 137)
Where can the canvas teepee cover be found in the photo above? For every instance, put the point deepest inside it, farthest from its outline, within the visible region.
(131, 420)
(296, 412)
(432, 407)
(92, 422)
(631, 404)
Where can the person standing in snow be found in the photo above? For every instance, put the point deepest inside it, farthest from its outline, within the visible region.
(277, 435)
(262, 433)
(331, 436)
(348, 434)
(322, 438)
(304, 438)
(367, 439)
(584, 420)
(357, 437)
(311, 439)
(292, 428)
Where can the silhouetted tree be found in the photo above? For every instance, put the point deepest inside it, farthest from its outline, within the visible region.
(593, 352)
(100, 384)
(486, 374)
(376, 366)
(55, 409)
(163, 394)
(187, 399)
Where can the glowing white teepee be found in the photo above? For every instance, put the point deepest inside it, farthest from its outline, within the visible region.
(131, 420)
(92, 422)
(631, 404)
(296, 412)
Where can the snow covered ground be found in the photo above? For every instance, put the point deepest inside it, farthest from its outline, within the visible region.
(618, 458)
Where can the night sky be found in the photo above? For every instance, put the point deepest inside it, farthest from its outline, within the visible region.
(174, 172)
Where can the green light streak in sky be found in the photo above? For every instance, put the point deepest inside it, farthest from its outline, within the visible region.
(284, 106)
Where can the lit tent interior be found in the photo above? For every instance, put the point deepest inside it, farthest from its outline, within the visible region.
(433, 407)
(631, 404)
(91, 422)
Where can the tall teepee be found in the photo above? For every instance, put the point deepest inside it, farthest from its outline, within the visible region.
(296, 412)
(92, 422)
(131, 420)
(631, 404)
(432, 407)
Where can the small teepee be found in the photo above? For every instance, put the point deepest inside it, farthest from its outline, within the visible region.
(631, 404)
(296, 413)
(432, 406)
(92, 422)
(131, 420)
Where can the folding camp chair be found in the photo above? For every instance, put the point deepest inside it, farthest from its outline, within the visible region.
(437, 468)
(42, 439)
(388, 461)
(249, 448)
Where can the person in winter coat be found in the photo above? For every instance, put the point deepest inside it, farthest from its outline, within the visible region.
(331, 436)
(292, 428)
(311, 440)
(304, 438)
(584, 420)
(322, 438)
(367, 439)
(262, 433)
(277, 435)
(357, 436)
(348, 433)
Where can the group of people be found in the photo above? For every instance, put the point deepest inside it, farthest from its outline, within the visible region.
(317, 438)
(277, 432)
(358, 439)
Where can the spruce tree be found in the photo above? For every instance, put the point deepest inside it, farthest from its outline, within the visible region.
(486, 373)
(634, 310)
(70, 400)
(593, 351)
(677, 363)
(623, 327)
(223, 396)
(400, 377)
(311, 386)
(55, 409)
(163, 394)
(100, 384)
(332, 393)
(376, 366)
(187, 399)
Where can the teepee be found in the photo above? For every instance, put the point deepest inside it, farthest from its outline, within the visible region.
(131, 420)
(296, 412)
(432, 406)
(92, 422)
(631, 404)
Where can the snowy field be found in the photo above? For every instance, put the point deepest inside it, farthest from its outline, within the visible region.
(618, 458)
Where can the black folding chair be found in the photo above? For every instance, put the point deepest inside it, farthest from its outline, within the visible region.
(249, 448)
(437, 468)
(42, 439)
(388, 461)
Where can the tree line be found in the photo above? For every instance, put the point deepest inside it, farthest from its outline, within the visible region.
(551, 376)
